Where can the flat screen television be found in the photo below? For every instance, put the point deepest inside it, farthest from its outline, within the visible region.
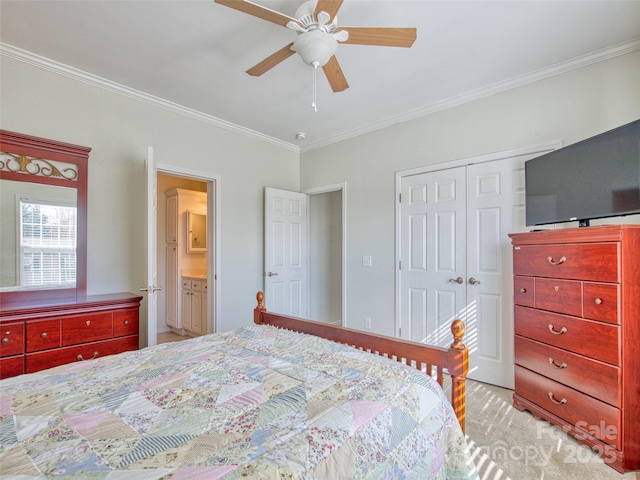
(596, 178)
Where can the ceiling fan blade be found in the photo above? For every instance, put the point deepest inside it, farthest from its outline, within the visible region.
(329, 6)
(271, 61)
(381, 36)
(258, 11)
(334, 74)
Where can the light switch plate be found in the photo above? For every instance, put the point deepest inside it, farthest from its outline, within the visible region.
(366, 260)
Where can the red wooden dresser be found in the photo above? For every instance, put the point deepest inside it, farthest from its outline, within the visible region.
(577, 329)
(35, 335)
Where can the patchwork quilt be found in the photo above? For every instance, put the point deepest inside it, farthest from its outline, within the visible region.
(257, 402)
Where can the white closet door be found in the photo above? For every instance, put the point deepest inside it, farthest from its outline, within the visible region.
(454, 227)
(432, 268)
(495, 203)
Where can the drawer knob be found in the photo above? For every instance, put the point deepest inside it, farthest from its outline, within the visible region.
(556, 332)
(95, 354)
(555, 365)
(557, 402)
(559, 262)
(88, 322)
(598, 301)
(126, 322)
(5, 340)
(523, 290)
(44, 334)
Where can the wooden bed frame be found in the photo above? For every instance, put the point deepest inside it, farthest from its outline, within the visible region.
(429, 359)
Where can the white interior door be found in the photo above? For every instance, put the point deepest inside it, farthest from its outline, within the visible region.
(456, 261)
(152, 260)
(495, 207)
(285, 255)
(210, 297)
(432, 262)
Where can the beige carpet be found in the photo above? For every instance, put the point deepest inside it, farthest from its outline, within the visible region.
(506, 443)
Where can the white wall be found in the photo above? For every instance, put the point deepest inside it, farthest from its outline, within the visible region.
(119, 129)
(325, 256)
(568, 107)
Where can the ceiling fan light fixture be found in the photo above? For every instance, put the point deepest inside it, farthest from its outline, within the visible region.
(316, 24)
(306, 16)
(315, 47)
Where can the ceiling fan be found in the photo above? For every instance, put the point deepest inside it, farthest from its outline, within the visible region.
(316, 24)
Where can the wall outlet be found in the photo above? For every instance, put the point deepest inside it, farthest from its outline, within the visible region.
(366, 260)
(367, 323)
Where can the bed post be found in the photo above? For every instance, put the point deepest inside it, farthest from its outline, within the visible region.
(458, 368)
(260, 308)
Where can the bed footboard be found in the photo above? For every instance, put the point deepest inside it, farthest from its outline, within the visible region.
(430, 359)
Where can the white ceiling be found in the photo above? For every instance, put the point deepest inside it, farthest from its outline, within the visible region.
(195, 54)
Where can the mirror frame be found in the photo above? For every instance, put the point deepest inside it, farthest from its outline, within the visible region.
(44, 149)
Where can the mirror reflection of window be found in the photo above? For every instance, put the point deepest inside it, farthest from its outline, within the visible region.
(47, 247)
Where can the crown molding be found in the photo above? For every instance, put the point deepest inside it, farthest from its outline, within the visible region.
(557, 69)
(96, 81)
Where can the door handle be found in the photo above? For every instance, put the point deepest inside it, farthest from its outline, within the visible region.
(151, 289)
(458, 280)
(473, 281)
(271, 274)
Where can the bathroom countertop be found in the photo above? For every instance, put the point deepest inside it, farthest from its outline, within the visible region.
(199, 276)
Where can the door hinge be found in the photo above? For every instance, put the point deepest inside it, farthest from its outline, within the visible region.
(399, 198)
(400, 265)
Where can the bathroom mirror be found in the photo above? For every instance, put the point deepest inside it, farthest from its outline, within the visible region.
(197, 232)
(43, 217)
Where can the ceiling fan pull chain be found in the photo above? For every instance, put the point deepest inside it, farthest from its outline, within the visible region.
(315, 70)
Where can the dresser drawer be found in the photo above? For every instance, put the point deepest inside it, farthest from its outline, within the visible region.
(588, 261)
(562, 296)
(598, 379)
(11, 366)
(601, 301)
(593, 416)
(43, 335)
(125, 322)
(41, 360)
(11, 339)
(87, 328)
(524, 291)
(592, 339)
